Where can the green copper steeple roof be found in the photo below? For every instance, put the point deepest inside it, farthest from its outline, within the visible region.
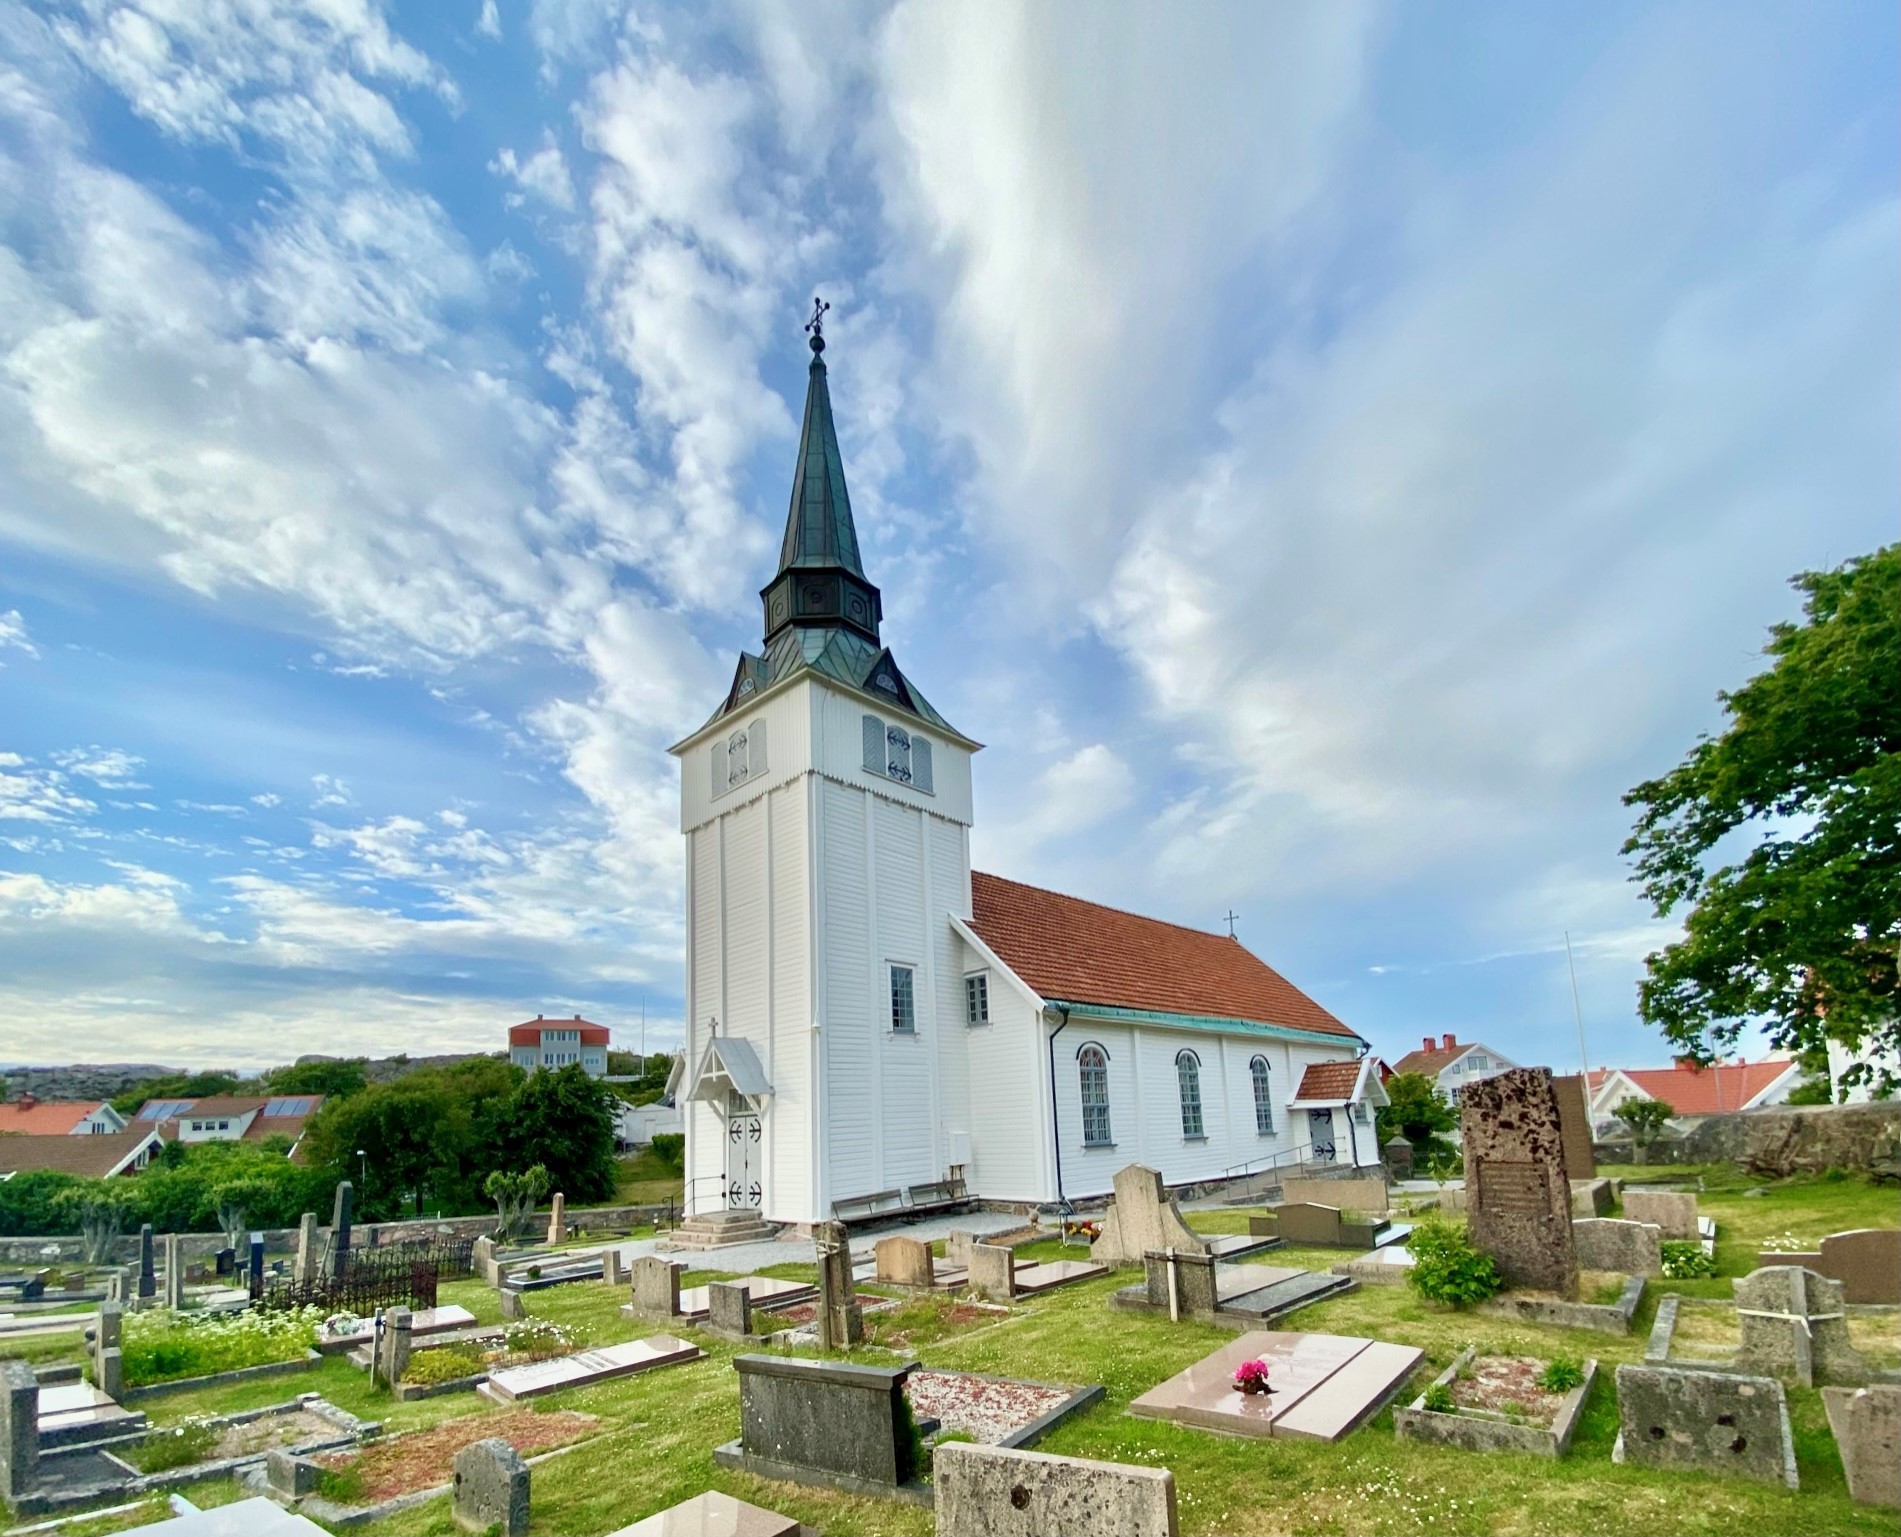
(818, 527)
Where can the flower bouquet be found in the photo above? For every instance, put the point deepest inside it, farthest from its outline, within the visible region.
(1251, 1377)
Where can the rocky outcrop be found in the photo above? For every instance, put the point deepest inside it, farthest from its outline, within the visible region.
(1790, 1139)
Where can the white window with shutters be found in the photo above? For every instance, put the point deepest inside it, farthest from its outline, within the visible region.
(739, 757)
(891, 752)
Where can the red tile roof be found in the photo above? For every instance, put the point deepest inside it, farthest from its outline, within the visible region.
(1081, 952)
(530, 1033)
(1431, 1063)
(1706, 1090)
(1328, 1080)
(46, 1117)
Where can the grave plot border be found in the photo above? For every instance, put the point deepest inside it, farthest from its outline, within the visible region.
(1663, 1333)
(346, 1518)
(1025, 1437)
(1598, 1317)
(309, 1361)
(1479, 1433)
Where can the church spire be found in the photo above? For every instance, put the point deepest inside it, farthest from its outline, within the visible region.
(821, 580)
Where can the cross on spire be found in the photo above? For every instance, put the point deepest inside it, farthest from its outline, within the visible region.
(1232, 916)
(815, 327)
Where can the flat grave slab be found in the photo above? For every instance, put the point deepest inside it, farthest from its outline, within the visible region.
(1234, 1245)
(1045, 1274)
(713, 1514)
(586, 1367)
(257, 1517)
(423, 1322)
(1239, 1280)
(765, 1291)
(1283, 1296)
(72, 1412)
(1324, 1385)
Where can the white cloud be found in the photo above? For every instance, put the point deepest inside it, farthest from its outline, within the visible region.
(267, 799)
(489, 23)
(542, 175)
(111, 768)
(29, 794)
(330, 791)
(13, 633)
(1083, 790)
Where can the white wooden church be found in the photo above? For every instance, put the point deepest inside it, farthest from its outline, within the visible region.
(866, 1015)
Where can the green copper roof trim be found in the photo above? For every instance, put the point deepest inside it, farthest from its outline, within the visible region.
(819, 529)
(1212, 1023)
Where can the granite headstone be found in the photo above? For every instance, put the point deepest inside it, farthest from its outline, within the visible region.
(1518, 1196)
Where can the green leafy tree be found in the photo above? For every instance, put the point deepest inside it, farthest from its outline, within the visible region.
(515, 1196)
(1646, 1119)
(331, 1077)
(1419, 1112)
(398, 1142)
(99, 1209)
(564, 1120)
(1802, 932)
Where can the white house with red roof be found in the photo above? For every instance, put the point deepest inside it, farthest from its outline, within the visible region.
(1694, 1091)
(1452, 1064)
(556, 1043)
(230, 1118)
(28, 1116)
(865, 1016)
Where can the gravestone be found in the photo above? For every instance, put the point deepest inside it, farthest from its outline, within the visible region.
(309, 1240)
(1307, 1222)
(224, 1262)
(841, 1321)
(255, 1273)
(1143, 1216)
(115, 1286)
(1629, 1248)
(1794, 1326)
(291, 1475)
(992, 1270)
(19, 1429)
(656, 1287)
(995, 1491)
(1702, 1421)
(1518, 1198)
(825, 1417)
(482, 1260)
(904, 1262)
(108, 1360)
(1671, 1212)
(1182, 1283)
(1866, 1423)
(174, 1274)
(729, 1310)
(1397, 1155)
(491, 1489)
(612, 1270)
(1574, 1117)
(394, 1343)
(558, 1219)
(1591, 1197)
(957, 1244)
(340, 1212)
(1867, 1261)
(512, 1305)
(1369, 1196)
(148, 1277)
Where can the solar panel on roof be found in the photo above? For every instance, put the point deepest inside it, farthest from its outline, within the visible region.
(165, 1109)
(299, 1105)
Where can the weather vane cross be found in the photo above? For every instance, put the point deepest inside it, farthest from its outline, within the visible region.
(815, 327)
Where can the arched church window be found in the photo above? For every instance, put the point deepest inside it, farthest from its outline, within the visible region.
(1092, 1068)
(1188, 1077)
(1263, 1097)
(898, 754)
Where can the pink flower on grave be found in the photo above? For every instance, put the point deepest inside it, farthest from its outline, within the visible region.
(1251, 1377)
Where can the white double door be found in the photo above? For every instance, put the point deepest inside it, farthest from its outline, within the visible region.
(745, 1155)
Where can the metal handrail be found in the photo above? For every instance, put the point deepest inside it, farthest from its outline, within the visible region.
(687, 1206)
(1273, 1161)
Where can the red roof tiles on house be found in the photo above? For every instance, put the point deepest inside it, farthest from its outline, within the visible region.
(1328, 1080)
(530, 1033)
(45, 1117)
(92, 1157)
(1712, 1090)
(1081, 952)
(1431, 1063)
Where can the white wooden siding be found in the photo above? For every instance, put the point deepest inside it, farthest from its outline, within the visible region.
(1007, 1110)
(850, 1083)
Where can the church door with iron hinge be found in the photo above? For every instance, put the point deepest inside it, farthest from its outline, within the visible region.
(1322, 1123)
(745, 1160)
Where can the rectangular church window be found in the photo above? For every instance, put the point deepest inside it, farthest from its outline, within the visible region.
(903, 1002)
(977, 998)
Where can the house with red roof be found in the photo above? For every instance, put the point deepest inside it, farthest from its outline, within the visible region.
(230, 1118)
(1452, 1065)
(31, 1117)
(870, 1022)
(1694, 1091)
(556, 1043)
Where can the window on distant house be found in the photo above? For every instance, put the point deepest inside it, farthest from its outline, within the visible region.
(1092, 1070)
(1479, 1061)
(1263, 1097)
(977, 998)
(1188, 1077)
(903, 1001)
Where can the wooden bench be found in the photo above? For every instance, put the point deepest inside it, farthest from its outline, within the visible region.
(863, 1208)
(938, 1195)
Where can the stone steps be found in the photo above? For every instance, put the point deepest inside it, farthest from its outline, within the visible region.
(719, 1230)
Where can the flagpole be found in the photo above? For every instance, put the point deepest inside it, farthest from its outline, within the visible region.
(1577, 1010)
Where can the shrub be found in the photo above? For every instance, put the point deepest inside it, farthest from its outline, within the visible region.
(1686, 1261)
(1561, 1375)
(1447, 1268)
(174, 1446)
(669, 1149)
(443, 1363)
(1439, 1399)
(163, 1346)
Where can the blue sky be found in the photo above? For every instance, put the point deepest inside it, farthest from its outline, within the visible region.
(1327, 452)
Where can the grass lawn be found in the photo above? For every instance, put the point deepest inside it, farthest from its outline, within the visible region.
(647, 1180)
(660, 1430)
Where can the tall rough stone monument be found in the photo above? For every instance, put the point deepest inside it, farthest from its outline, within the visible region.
(340, 1230)
(1517, 1192)
(148, 1274)
(558, 1219)
(1143, 1216)
(309, 1238)
(841, 1321)
(174, 1274)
